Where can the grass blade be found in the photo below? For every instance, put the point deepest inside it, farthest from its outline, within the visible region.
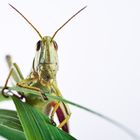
(10, 126)
(11, 134)
(132, 134)
(36, 125)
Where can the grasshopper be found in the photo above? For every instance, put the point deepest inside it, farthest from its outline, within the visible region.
(42, 76)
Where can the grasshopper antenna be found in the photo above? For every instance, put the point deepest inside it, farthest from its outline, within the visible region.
(67, 22)
(28, 21)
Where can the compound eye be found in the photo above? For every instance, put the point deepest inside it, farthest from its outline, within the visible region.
(55, 45)
(38, 45)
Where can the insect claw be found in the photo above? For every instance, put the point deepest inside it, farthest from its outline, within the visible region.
(3, 93)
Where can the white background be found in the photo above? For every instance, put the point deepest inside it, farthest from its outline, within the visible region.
(99, 57)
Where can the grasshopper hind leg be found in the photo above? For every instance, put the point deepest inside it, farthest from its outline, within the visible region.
(63, 116)
(14, 72)
(6, 82)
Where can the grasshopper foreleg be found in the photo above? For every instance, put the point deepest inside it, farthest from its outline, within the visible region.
(24, 84)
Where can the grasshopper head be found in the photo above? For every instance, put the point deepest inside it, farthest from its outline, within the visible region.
(46, 58)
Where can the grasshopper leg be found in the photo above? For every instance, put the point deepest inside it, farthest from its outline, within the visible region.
(65, 112)
(64, 108)
(24, 84)
(16, 74)
(64, 121)
(54, 110)
(6, 82)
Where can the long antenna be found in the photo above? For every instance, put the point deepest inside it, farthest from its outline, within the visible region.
(67, 22)
(28, 21)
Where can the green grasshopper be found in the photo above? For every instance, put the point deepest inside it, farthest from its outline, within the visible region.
(42, 77)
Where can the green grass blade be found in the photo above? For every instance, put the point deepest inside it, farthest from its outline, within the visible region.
(11, 134)
(10, 119)
(51, 97)
(36, 125)
(10, 126)
(8, 113)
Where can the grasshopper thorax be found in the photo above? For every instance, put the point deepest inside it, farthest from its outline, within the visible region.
(46, 58)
